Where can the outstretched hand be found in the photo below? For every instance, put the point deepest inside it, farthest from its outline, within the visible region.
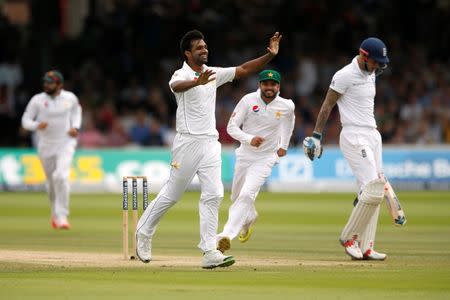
(205, 77)
(274, 44)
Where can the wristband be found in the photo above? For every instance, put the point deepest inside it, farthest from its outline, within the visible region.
(317, 135)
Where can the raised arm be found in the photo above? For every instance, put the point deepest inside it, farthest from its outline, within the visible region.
(257, 64)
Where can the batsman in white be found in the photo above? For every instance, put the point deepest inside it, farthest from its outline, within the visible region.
(267, 122)
(196, 149)
(55, 115)
(353, 89)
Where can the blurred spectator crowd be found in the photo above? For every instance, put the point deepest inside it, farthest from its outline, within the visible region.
(120, 63)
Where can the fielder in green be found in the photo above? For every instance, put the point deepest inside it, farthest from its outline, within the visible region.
(267, 121)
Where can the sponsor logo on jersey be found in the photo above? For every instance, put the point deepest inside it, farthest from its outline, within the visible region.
(278, 114)
(255, 108)
(196, 75)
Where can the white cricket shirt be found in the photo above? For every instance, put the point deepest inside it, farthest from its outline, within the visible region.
(61, 113)
(196, 107)
(357, 87)
(274, 122)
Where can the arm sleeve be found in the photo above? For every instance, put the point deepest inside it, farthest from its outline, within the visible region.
(29, 116)
(340, 82)
(75, 115)
(224, 75)
(287, 127)
(235, 122)
(177, 76)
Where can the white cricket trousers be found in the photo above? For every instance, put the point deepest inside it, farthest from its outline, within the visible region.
(56, 161)
(250, 173)
(190, 155)
(362, 148)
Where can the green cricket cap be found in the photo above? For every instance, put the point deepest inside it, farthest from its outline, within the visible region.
(270, 75)
(53, 76)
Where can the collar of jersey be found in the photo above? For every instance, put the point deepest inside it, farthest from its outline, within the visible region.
(53, 98)
(356, 66)
(187, 67)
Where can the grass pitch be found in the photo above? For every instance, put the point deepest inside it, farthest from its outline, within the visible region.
(294, 252)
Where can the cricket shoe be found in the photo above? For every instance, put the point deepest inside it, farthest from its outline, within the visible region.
(60, 223)
(247, 230)
(54, 223)
(371, 254)
(214, 258)
(352, 249)
(143, 248)
(63, 223)
(224, 244)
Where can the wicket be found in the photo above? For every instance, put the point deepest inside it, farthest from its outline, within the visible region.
(134, 194)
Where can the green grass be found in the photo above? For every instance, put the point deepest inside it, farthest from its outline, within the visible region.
(300, 227)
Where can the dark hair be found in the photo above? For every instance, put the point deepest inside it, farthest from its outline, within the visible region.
(186, 40)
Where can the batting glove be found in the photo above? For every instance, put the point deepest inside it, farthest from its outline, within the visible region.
(312, 146)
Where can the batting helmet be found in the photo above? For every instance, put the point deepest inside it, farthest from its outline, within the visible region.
(375, 49)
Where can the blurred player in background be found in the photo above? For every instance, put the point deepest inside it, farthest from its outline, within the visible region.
(267, 122)
(353, 89)
(196, 149)
(55, 115)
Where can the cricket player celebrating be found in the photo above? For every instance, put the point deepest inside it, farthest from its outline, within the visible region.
(353, 89)
(196, 149)
(267, 122)
(55, 115)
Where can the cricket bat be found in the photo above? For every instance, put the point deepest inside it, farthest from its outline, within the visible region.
(393, 205)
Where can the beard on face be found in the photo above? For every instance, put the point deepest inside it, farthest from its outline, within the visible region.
(269, 92)
(266, 94)
(50, 91)
(199, 60)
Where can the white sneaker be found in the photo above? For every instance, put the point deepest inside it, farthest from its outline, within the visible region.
(371, 254)
(143, 248)
(224, 244)
(352, 249)
(215, 258)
